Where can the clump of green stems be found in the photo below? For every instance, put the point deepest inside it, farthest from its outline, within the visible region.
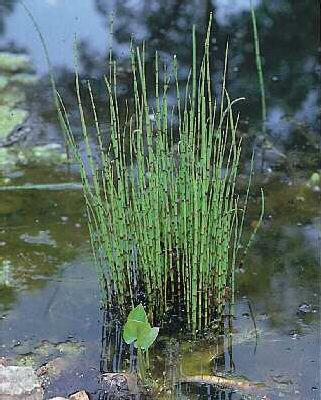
(163, 210)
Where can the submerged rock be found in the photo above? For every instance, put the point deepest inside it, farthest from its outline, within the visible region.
(225, 381)
(19, 383)
(119, 386)
(82, 395)
(55, 367)
(62, 357)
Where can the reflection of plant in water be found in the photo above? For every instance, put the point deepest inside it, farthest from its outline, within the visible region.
(5, 273)
(289, 69)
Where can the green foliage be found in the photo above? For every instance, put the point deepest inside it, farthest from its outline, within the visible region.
(138, 330)
(162, 204)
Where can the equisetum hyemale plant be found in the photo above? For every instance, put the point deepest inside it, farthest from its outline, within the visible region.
(164, 215)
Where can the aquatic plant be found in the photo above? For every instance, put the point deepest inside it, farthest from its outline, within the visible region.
(163, 212)
(138, 330)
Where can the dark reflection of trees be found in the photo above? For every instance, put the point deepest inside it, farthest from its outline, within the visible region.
(6, 7)
(288, 36)
(289, 55)
(288, 40)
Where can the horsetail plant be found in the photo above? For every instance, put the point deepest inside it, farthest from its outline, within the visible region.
(163, 212)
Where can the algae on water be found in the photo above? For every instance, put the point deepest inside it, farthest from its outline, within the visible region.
(12, 63)
(10, 118)
(15, 73)
(3, 82)
(12, 158)
(12, 96)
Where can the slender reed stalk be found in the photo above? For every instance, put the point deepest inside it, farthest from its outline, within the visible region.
(259, 69)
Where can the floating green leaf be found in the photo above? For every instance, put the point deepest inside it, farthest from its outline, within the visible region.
(146, 337)
(138, 330)
(133, 329)
(138, 314)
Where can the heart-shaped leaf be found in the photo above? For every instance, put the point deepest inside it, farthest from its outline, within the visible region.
(146, 336)
(138, 314)
(136, 322)
(130, 332)
(137, 329)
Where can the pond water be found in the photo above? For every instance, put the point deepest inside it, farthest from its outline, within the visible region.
(49, 297)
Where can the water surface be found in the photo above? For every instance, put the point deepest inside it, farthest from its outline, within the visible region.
(49, 295)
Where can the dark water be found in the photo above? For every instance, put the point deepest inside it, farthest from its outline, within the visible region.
(48, 291)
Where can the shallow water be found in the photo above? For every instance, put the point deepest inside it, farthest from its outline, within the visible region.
(49, 299)
(50, 294)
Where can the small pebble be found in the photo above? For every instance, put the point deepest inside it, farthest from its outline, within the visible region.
(82, 395)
